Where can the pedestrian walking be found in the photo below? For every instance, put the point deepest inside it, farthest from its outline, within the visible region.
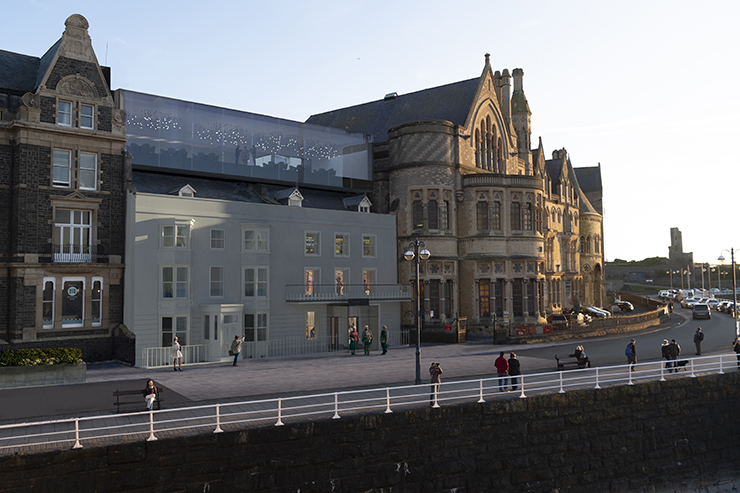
(236, 348)
(176, 354)
(674, 350)
(631, 353)
(384, 339)
(502, 368)
(698, 337)
(664, 353)
(353, 338)
(367, 340)
(434, 375)
(150, 394)
(736, 347)
(514, 370)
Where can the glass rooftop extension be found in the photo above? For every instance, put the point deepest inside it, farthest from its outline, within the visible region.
(185, 137)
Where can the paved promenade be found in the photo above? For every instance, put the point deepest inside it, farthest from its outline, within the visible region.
(255, 379)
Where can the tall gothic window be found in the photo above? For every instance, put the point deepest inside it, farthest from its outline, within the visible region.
(516, 216)
(481, 216)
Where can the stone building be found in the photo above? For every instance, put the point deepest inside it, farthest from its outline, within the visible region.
(511, 233)
(62, 200)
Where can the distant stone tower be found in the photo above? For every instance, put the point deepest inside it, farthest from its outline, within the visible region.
(676, 256)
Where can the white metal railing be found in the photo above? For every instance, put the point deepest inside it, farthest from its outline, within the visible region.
(217, 417)
(153, 357)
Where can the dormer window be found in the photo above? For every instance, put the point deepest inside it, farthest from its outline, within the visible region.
(185, 191)
(295, 199)
(365, 205)
(359, 203)
(291, 196)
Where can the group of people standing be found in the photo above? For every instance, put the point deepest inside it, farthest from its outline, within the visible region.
(506, 370)
(670, 351)
(367, 339)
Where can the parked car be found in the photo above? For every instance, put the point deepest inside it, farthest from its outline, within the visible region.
(688, 302)
(558, 321)
(701, 310)
(723, 305)
(595, 312)
(625, 306)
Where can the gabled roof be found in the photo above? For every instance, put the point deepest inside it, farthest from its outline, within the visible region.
(451, 102)
(46, 61)
(554, 169)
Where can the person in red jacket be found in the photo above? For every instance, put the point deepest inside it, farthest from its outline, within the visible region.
(502, 368)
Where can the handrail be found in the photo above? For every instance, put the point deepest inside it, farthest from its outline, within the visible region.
(154, 424)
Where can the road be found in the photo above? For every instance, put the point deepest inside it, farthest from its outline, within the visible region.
(719, 333)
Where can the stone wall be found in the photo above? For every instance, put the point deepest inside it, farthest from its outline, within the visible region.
(678, 435)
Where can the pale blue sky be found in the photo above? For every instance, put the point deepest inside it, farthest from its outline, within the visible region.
(646, 88)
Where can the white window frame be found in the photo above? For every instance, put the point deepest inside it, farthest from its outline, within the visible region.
(61, 160)
(84, 287)
(344, 244)
(259, 280)
(175, 318)
(260, 327)
(314, 244)
(180, 233)
(310, 288)
(176, 282)
(90, 117)
(373, 245)
(99, 300)
(311, 324)
(53, 282)
(77, 252)
(215, 241)
(255, 239)
(216, 283)
(370, 286)
(87, 170)
(64, 115)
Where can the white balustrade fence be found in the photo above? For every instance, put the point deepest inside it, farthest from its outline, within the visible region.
(235, 415)
(153, 357)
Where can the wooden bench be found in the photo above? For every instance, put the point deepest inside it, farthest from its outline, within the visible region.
(572, 364)
(139, 398)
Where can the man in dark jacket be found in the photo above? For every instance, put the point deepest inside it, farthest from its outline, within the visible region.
(674, 350)
(698, 337)
(514, 370)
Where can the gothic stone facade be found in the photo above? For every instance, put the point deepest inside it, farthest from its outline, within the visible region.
(62, 198)
(511, 234)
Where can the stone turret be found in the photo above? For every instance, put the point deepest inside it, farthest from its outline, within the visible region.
(521, 120)
(506, 95)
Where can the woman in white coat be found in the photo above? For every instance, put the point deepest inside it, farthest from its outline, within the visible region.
(176, 355)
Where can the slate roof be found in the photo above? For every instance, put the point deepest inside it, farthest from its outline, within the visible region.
(589, 178)
(238, 191)
(18, 73)
(553, 167)
(450, 102)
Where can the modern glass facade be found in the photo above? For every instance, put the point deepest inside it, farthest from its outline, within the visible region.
(186, 136)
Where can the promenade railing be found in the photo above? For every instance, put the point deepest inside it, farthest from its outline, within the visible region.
(215, 418)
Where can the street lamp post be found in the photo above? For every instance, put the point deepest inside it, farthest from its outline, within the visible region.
(415, 251)
(734, 287)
